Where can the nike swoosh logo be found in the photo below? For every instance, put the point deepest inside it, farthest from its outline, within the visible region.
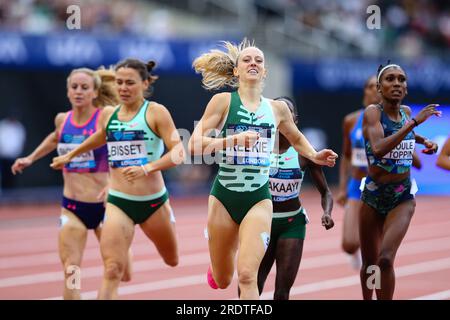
(152, 205)
(133, 125)
(260, 117)
(287, 159)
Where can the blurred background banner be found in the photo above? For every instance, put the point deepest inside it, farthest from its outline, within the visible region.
(425, 75)
(318, 52)
(80, 49)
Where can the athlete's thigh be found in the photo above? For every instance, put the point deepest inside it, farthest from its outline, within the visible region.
(72, 237)
(222, 237)
(254, 235)
(351, 221)
(396, 225)
(117, 234)
(370, 231)
(160, 228)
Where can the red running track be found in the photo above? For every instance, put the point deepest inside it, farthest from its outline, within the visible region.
(30, 267)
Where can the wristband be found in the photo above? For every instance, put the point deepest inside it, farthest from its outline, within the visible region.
(145, 170)
(416, 124)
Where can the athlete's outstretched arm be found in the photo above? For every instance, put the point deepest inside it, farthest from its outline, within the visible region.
(443, 160)
(95, 141)
(375, 134)
(320, 182)
(430, 146)
(45, 147)
(164, 128)
(287, 127)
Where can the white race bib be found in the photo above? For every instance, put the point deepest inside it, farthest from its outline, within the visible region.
(82, 161)
(285, 188)
(359, 157)
(402, 153)
(256, 155)
(127, 153)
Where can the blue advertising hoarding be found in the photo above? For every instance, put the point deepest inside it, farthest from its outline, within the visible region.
(430, 75)
(76, 49)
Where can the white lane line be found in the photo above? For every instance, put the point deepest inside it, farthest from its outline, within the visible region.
(195, 259)
(442, 295)
(407, 270)
(142, 247)
(403, 271)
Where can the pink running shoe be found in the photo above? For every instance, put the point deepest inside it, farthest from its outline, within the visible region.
(210, 279)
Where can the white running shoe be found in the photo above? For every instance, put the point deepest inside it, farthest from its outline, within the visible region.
(355, 260)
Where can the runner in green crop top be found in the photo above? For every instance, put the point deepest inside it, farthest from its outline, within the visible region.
(289, 219)
(135, 133)
(240, 207)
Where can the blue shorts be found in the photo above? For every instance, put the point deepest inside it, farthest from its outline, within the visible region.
(91, 214)
(353, 191)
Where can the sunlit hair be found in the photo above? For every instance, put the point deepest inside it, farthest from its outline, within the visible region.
(104, 84)
(107, 93)
(216, 66)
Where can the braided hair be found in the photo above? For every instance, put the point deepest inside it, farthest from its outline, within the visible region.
(382, 68)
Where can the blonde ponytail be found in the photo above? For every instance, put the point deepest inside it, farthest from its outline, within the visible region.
(216, 66)
(107, 92)
(104, 84)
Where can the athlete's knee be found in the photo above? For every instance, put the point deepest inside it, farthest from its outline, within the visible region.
(247, 277)
(71, 260)
(71, 267)
(223, 281)
(367, 265)
(385, 261)
(171, 261)
(114, 270)
(281, 294)
(350, 247)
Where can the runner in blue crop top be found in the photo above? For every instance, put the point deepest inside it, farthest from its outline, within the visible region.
(388, 195)
(352, 168)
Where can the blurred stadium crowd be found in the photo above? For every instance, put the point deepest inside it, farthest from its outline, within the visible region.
(414, 27)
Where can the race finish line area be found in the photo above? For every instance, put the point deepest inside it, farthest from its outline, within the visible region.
(30, 267)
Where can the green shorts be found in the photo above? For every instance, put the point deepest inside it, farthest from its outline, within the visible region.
(289, 227)
(138, 208)
(239, 203)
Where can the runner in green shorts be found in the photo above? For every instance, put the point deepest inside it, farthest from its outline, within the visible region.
(287, 171)
(240, 206)
(135, 132)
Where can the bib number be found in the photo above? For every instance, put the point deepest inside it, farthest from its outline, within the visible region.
(402, 154)
(359, 157)
(126, 148)
(256, 155)
(83, 161)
